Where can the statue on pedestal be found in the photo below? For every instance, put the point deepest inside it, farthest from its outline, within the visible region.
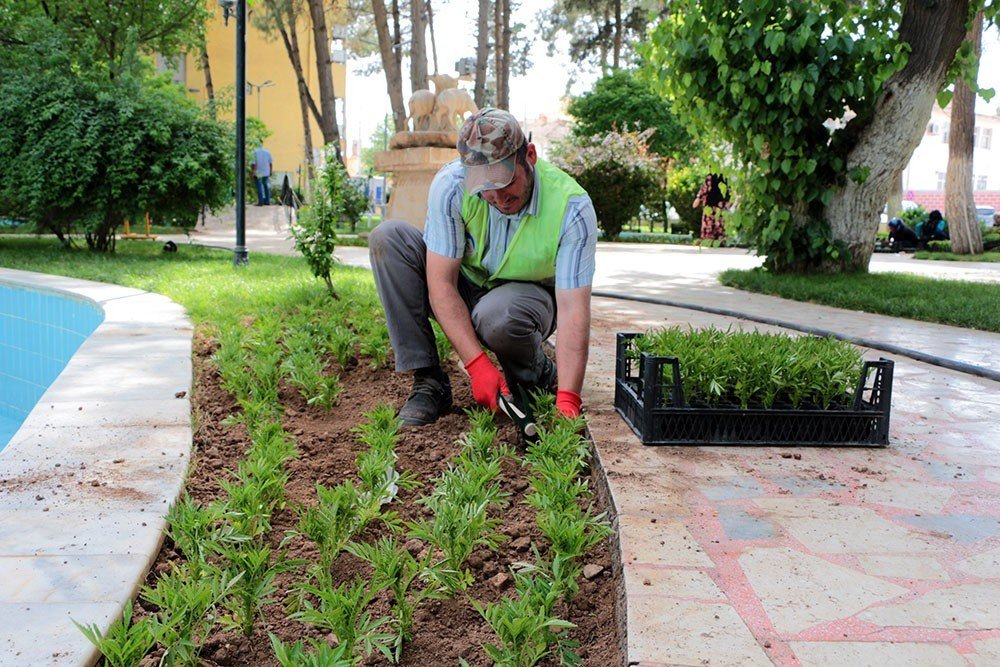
(436, 116)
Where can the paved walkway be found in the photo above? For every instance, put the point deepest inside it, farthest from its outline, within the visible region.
(806, 556)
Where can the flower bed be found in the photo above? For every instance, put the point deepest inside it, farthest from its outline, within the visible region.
(760, 390)
(315, 531)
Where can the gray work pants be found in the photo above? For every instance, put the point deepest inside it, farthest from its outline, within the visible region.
(511, 319)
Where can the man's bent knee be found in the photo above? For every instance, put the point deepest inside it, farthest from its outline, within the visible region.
(387, 236)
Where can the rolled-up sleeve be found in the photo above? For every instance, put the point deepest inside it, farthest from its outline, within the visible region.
(575, 260)
(444, 229)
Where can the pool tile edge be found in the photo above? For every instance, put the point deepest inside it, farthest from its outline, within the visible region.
(150, 403)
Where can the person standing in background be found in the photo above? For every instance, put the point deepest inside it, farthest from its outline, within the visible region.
(714, 196)
(261, 170)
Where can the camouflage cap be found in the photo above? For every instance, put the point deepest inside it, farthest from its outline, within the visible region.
(487, 144)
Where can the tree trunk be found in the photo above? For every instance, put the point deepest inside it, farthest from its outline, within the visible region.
(934, 31)
(506, 54)
(959, 205)
(397, 36)
(393, 76)
(498, 52)
(618, 35)
(289, 37)
(430, 26)
(418, 46)
(482, 53)
(894, 203)
(324, 71)
(206, 68)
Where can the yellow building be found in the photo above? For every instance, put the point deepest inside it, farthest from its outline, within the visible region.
(272, 91)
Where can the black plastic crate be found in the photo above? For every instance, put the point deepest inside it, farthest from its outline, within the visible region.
(656, 410)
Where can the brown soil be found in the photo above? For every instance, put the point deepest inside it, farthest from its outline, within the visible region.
(444, 630)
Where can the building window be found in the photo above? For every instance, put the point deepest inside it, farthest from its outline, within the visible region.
(982, 137)
(944, 132)
(980, 183)
(940, 180)
(933, 128)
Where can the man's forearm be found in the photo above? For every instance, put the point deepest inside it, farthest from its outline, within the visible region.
(453, 315)
(572, 347)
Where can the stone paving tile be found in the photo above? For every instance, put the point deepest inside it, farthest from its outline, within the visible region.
(741, 525)
(732, 489)
(985, 565)
(69, 578)
(914, 496)
(74, 531)
(645, 579)
(43, 635)
(903, 567)
(987, 653)
(825, 526)
(810, 590)
(647, 493)
(61, 443)
(965, 607)
(799, 485)
(961, 527)
(825, 654)
(677, 632)
(654, 542)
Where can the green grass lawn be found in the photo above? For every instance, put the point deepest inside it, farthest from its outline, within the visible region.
(984, 257)
(202, 280)
(957, 302)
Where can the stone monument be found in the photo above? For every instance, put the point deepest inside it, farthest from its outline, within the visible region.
(414, 156)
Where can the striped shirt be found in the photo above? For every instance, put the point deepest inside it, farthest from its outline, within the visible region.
(445, 233)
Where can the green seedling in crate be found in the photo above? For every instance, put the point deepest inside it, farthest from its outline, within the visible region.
(252, 568)
(321, 655)
(343, 611)
(126, 643)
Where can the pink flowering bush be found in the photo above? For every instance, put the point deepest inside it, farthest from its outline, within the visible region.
(617, 169)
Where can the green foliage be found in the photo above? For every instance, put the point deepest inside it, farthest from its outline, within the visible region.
(763, 79)
(620, 101)
(753, 369)
(912, 216)
(126, 642)
(525, 624)
(378, 141)
(198, 531)
(958, 302)
(314, 229)
(84, 153)
(322, 654)
(618, 172)
(343, 611)
(252, 568)
(683, 183)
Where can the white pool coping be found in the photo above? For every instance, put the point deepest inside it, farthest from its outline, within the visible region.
(86, 480)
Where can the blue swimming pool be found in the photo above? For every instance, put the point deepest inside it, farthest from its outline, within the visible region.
(39, 333)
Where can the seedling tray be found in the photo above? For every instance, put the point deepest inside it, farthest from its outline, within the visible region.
(655, 408)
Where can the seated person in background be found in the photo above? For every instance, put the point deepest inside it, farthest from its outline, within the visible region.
(935, 229)
(902, 237)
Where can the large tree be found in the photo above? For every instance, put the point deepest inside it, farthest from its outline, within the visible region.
(602, 33)
(620, 101)
(324, 71)
(391, 62)
(960, 207)
(769, 79)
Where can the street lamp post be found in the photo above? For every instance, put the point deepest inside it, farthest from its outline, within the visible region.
(250, 88)
(240, 255)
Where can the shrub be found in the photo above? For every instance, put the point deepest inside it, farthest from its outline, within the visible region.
(83, 153)
(683, 184)
(314, 229)
(618, 172)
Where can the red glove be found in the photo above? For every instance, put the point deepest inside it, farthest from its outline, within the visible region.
(487, 381)
(568, 403)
